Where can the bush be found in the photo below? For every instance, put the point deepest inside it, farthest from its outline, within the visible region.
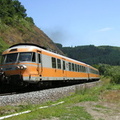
(114, 73)
(110, 71)
(30, 20)
(8, 21)
(103, 69)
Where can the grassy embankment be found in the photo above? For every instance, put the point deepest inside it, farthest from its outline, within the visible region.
(69, 110)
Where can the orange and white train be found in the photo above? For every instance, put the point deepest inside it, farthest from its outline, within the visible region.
(30, 63)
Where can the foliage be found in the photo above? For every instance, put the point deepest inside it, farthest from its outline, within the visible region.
(3, 46)
(93, 55)
(29, 19)
(110, 71)
(114, 73)
(9, 9)
(103, 69)
(3, 27)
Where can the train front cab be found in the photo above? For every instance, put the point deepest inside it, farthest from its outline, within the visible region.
(19, 65)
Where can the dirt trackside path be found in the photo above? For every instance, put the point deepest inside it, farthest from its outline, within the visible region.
(102, 110)
(108, 108)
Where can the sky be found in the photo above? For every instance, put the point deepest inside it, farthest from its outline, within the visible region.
(77, 22)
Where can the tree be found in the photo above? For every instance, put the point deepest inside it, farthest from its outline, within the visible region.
(11, 8)
(19, 9)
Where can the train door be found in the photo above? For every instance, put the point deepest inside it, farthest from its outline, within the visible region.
(64, 69)
(88, 72)
(39, 64)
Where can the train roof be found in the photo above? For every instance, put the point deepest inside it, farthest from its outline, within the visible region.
(28, 44)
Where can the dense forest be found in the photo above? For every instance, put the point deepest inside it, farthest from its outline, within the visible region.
(12, 12)
(93, 55)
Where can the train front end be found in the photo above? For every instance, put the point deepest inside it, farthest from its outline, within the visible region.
(18, 65)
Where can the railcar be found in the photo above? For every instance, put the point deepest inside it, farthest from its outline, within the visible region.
(30, 63)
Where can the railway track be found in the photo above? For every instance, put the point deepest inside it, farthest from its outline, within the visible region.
(41, 96)
(4, 94)
(7, 89)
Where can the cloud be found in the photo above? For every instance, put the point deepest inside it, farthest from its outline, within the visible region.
(105, 29)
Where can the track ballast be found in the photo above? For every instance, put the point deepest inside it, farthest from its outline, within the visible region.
(41, 96)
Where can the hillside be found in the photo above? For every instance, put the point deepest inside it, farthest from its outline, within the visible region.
(12, 35)
(93, 55)
(16, 27)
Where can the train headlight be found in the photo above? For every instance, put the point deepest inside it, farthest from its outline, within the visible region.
(21, 67)
(1, 71)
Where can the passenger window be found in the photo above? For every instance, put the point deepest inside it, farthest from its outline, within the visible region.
(78, 68)
(83, 69)
(39, 58)
(33, 57)
(69, 66)
(53, 62)
(63, 65)
(59, 63)
(73, 67)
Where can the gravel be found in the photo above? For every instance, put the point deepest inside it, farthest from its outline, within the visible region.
(43, 96)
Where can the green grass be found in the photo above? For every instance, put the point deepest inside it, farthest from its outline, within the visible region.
(63, 112)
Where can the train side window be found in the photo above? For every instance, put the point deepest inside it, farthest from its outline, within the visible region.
(53, 62)
(84, 69)
(90, 70)
(81, 68)
(63, 65)
(39, 58)
(78, 68)
(69, 66)
(73, 68)
(59, 63)
(33, 57)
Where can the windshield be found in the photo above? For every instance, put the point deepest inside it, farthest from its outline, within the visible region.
(11, 58)
(14, 57)
(25, 56)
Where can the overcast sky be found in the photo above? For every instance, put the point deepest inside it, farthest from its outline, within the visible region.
(77, 22)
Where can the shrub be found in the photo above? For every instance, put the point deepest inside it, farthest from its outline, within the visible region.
(114, 73)
(110, 71)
